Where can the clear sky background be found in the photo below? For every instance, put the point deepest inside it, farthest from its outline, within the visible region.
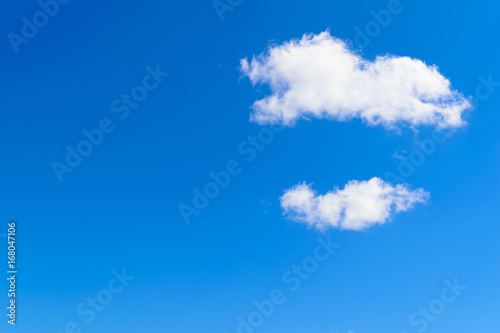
(119, 207)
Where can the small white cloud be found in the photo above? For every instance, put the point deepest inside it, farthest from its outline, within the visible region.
(360, 205)
(400, 154)
(319, 76)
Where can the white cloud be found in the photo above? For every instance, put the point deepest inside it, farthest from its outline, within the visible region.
(318, 76)
(360, 205)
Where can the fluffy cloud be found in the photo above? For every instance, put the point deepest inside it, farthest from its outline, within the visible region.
(360, 205)
(319, 76)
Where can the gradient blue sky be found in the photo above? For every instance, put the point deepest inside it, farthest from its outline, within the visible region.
(119, 208)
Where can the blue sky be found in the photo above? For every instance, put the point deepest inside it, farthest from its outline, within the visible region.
(119, 207)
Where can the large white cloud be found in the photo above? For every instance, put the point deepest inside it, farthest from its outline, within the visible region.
(320, 76)
(360, 205)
